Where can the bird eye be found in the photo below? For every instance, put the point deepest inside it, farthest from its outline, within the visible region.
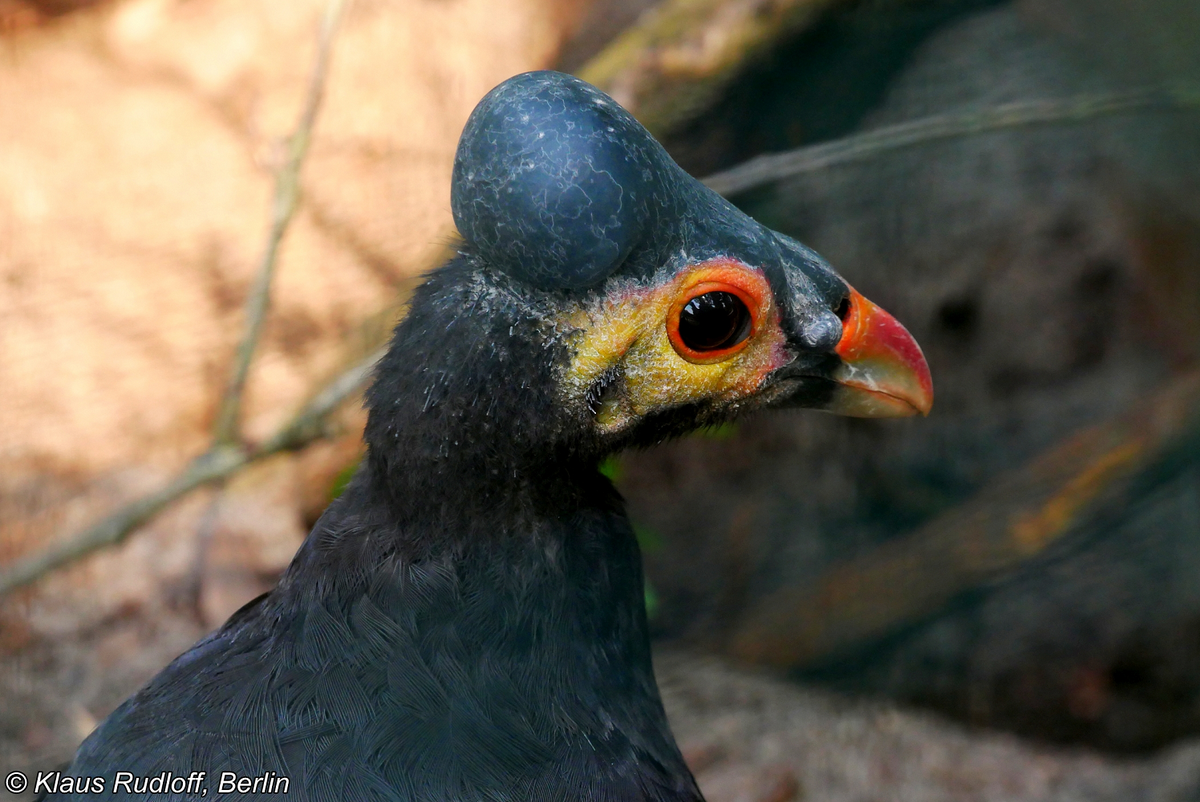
(716, 312)
(714, 321)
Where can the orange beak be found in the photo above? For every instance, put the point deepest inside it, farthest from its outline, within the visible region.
(883, 372)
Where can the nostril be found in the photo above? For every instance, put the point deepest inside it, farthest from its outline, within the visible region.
(843, 309)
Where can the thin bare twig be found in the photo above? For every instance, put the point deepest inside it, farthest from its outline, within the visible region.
(226, 456)
(216, 464)
(953, 125)
(309, 423)
(212, 465)
(226, 430)
(682, 55)
(194, 587)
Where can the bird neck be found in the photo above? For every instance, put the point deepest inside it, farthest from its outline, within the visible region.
(464, 410)
(485, 555)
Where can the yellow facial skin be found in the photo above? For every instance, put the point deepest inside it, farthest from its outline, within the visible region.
(630, 332)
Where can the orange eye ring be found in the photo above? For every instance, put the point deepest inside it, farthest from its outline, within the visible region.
(744, 283)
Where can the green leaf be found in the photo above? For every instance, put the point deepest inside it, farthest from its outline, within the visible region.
(723, 431)
(651, 600)
(338, 485)
(611, 467)
(650, 541)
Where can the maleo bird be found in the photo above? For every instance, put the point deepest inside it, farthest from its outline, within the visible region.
(466, 622)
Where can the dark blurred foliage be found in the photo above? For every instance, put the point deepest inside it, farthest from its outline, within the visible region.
(1053, 277)
(817, 86)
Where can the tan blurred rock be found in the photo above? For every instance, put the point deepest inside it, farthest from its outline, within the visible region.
(137, 142)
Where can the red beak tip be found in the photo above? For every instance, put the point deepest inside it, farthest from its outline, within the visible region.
(884, 370)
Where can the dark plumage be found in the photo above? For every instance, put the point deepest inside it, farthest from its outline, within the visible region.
(466, 622)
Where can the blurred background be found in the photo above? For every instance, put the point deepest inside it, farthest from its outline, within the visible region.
(1001, 601)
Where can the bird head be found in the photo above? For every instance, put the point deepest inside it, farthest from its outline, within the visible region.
(674, 308)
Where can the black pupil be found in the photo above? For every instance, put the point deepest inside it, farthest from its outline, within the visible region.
(713, 321)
